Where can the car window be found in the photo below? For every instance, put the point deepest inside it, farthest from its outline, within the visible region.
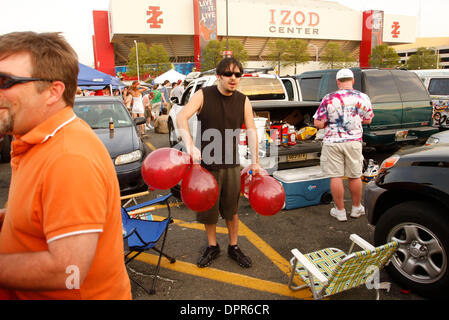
(411, 88)
(98, 114)
(186, 96)
(288, 84)
(380, 86)
(309, 88)
(439, 86)
(258, 88)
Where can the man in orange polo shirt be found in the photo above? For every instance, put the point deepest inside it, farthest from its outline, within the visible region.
(61, 233)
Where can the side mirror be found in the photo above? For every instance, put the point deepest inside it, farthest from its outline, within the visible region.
(140, 120)
(174, 100)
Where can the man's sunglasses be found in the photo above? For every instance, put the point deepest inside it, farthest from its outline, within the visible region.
(7, 81)
(229, 74)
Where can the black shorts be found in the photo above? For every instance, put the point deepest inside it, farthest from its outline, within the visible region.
(228, 180)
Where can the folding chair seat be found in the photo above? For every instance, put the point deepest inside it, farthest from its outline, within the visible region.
(142, 235)
(330, 270)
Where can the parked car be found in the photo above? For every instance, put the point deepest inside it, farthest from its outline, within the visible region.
(409, 202)
(440, 137)
(5, 148)
(126, 148)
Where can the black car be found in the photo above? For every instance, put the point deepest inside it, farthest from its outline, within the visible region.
(409, 202)
(126, 148)
(5, 148)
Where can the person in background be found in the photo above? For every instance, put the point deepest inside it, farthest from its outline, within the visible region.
(165, 95)
(156, 102)
(221, 108)
(342, 114)
(178, 91)
(148, 107)
(79, 92)
(61, 232)
(127, 98)
(138, 110)
(161, 123)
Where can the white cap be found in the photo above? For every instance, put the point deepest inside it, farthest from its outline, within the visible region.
(344, 73)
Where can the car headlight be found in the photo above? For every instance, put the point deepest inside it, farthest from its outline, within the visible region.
(128, 158)
(389, 163)
(432, 140)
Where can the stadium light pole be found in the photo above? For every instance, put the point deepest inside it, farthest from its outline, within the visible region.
(137, 62)
(227, 34)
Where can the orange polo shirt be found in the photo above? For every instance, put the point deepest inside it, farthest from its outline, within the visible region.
(64, 183)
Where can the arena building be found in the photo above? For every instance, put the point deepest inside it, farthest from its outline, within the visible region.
(440, 44)
(184, 27)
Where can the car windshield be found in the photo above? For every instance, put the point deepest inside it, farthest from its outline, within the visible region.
(258, 88)
(97, 114)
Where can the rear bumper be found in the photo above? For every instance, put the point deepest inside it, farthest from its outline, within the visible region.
(389, 137)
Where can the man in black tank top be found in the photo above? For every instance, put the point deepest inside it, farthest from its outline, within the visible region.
(221, 112)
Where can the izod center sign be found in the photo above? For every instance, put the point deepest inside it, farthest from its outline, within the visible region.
(294, 22)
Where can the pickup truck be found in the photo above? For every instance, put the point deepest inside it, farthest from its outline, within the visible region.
(402, 105)
(437, 83)
(269, 99)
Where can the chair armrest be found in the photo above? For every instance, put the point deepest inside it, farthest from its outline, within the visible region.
(149, 203)
(365, 245)
(309, 266)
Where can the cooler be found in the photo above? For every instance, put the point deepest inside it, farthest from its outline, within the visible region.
(304, 186)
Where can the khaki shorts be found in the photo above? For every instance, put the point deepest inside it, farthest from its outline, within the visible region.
(228, 196)
(343, 159)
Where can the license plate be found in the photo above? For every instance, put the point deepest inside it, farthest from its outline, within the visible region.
(297, 157)
(401, 135)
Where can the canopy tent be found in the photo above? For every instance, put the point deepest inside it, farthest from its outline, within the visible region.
(89, 78)
(171, 75)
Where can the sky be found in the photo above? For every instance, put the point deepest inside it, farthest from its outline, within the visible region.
(74, 18)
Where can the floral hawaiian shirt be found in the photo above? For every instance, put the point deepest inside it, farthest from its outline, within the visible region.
(343, 112)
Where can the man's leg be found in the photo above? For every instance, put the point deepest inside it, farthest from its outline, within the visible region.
(233, 230)
(211, 232)
(355, 186)
(338, 192)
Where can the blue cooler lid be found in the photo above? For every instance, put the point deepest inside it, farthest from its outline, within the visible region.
(299, 174)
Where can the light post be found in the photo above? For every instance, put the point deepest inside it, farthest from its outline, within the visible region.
(137, 61)
(316, 51)
(227, 34)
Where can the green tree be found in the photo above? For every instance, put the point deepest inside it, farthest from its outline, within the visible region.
(278, 55)
(335, 57)
(425, 58)
(383, 56)
(143, 55)
(296, 52)
(158, 59)
(213, 53)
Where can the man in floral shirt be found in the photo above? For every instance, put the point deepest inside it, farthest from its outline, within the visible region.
(341, 114)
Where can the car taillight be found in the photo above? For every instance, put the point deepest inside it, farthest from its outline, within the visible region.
(388, 163)
(246, 75)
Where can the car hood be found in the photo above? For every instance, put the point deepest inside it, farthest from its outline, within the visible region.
(122, 141)
(437, 152)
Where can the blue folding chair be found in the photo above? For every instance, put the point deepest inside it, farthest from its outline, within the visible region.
(142, 235)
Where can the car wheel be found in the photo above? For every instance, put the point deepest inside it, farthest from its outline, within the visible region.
(421, 262)
(5, 153)
(171, 134)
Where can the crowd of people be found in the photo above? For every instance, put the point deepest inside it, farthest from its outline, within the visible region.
(151, 102)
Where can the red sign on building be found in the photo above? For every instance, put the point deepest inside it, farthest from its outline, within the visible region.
(154, 13)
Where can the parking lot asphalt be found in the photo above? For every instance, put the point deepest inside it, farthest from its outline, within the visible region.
(267, 240)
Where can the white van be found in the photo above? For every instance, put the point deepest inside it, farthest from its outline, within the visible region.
(437, 83)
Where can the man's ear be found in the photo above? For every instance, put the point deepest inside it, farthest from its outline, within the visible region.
(55, 92)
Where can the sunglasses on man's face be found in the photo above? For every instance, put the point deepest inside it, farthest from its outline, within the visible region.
(7, 81)
(229, 74)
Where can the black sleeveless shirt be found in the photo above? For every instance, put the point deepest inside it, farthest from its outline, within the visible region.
(220, 120)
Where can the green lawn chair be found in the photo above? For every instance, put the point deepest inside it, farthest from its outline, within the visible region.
(333, 271)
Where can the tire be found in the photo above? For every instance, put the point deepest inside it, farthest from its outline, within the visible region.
(421, 262)
(5, 153)
(326, 198)
(171, 133)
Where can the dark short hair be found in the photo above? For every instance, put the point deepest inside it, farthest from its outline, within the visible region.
(226, 64)
(52, 57)
(164, 110)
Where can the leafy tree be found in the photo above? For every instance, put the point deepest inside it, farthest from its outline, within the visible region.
(159, 59)
(278, 55)
(425, 58)
(213, 53)
(335, 57)
(296, 52)
(383, 56)
(143, 56)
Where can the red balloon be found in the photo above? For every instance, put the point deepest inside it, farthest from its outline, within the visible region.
(266, 195)
(164, 168)
(199, 189)
(246, 178)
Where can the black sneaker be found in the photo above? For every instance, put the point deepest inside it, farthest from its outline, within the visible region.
(211, 253)
(236, 254)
